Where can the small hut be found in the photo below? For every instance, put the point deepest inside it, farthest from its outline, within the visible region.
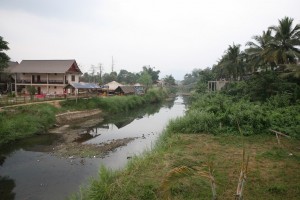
(125, 90)
(111, 86)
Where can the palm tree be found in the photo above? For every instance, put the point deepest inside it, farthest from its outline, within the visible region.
(258, 49)
(231, 64)
(283, 46)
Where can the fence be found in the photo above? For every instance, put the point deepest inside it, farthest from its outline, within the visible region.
(7, 101)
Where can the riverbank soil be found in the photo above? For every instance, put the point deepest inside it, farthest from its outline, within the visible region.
(273, 170)
(71, 126)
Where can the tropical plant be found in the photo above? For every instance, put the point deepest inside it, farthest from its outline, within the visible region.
(3, 57)
(31, 90)
(283, 47)
(154, 74)
(169, 80)
(257, 50)
(145, 79)
(231, 65)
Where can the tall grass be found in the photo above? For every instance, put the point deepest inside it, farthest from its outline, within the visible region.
(116, 104)
(25, 121)
(219, 114)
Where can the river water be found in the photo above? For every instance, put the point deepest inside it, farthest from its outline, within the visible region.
(29, 171)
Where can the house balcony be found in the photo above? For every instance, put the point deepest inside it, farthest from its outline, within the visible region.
(42, 82)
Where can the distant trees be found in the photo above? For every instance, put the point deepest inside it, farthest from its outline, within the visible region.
(154, 74)
(277, 48)
(108, 77)
(147, 76)
(169, 80)
(3, 57)
(145, 79)
(125, 76)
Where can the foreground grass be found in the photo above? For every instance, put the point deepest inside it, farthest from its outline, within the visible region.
(272, 172)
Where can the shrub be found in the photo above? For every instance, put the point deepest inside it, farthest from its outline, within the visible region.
(217, 114)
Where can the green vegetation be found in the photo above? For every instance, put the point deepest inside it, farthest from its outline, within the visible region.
(25, 121)
(147, 76)
(3, 57)
(209, 144)
(272, 171)
(116, 104)
(221, 114)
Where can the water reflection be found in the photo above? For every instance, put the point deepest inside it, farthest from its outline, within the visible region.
(6, 188)
(28, 172)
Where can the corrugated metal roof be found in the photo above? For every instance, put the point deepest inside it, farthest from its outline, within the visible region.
(45, 66)
(83, 85)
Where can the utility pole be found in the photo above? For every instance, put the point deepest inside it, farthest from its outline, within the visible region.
(93, 72)
(112, 64)
(100, 72)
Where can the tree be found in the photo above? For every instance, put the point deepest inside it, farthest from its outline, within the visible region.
(231, 64)
(3, 57)
(154, 74)
(258, 49)
(145, 79)
(31, 90)
(109, 77)
(169, 80)
(283, 47)
(126, 77)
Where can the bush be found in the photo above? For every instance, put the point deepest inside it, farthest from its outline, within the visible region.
(217, 114)
(26, 121)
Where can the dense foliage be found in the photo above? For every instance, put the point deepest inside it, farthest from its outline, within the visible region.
(124, 76)
(3, 57)
(223, 114)
(116, 104)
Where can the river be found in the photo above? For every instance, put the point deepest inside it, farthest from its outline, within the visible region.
(29, 171)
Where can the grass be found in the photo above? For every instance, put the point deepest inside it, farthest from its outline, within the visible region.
(272, 171)
(116, 104)
(25, 121)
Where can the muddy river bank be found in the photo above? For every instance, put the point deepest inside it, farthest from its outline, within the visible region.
(55, 165)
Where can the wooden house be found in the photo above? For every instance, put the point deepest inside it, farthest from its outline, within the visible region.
(47, 76)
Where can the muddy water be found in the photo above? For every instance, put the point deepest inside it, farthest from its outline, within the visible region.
(29, 171)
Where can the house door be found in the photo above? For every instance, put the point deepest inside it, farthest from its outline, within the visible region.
(38, 78)
(39, 90)
(33, 78)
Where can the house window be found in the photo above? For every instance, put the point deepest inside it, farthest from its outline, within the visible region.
(73, 78)
(54, 87)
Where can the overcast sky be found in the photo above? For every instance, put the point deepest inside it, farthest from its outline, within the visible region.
(174, 36)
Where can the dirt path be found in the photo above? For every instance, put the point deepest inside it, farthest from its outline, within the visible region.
(53, 102)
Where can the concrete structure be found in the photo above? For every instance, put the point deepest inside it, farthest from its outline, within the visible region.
(216, 85)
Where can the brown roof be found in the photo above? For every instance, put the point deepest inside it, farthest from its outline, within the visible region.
(11, 66)
(46, 66)
(127, 89)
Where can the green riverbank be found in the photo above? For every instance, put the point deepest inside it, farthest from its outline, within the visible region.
(182, 164)
(24, 121)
